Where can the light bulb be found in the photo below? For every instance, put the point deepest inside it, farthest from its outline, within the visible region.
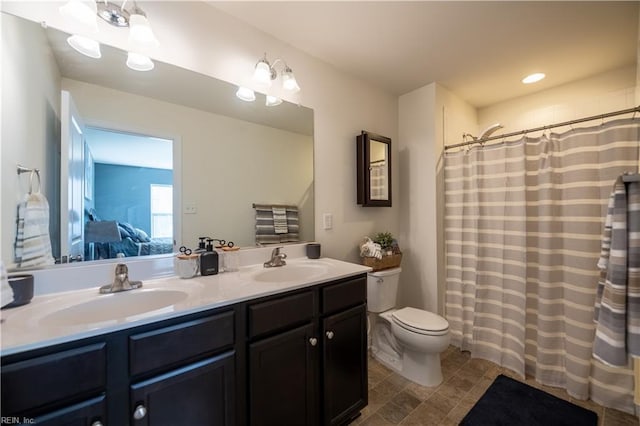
(85, 45)
(140, 31)
(245, 94)
(82, 12)
(139, 62)
(262, 73)
(272, 101)
(289, 81)
(533, 78)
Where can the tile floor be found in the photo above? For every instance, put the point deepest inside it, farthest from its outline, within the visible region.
(394, 400)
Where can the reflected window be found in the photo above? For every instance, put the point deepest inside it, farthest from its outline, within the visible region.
(161, 211)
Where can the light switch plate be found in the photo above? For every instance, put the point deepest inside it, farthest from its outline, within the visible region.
(327, 221)
(190, 208)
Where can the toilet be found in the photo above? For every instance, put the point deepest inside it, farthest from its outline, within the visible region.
(407, 340)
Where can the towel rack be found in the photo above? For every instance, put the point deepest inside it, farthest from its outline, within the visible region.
(33, 172)
(268, 206)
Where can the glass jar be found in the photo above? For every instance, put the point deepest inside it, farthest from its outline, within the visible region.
(231, 259)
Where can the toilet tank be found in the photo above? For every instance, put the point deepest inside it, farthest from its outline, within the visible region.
(382, 289)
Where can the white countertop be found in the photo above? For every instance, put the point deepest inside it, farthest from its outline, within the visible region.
(61, 317)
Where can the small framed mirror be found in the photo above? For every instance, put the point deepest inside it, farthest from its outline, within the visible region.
(373, 169)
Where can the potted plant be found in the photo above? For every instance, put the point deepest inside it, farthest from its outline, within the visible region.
(381, 252)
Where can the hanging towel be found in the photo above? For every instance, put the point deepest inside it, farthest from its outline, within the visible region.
(265, 227)
(33, 243)
(280, 220)
(617, 312)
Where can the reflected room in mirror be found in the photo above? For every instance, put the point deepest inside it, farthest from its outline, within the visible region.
(176, 161)
(373, 168)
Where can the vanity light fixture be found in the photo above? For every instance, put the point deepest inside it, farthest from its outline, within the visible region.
(139, 62)
(85, 45)
(115, 15)
(83, 14)
(533, 78)
(264, 73)
(140, 31)
(289, 80)
(246, 94)
(272, 101)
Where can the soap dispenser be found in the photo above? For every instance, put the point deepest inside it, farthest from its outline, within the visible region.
(201, 246)
(209, 260)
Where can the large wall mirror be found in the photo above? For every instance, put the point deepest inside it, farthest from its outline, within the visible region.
(170, 153)
(373, 169)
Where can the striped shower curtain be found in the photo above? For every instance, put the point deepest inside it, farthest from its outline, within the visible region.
(523, 225)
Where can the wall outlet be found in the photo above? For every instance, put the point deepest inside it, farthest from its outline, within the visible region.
(190, 208)
(327, 221)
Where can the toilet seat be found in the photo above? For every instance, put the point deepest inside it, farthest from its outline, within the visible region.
(421, 322)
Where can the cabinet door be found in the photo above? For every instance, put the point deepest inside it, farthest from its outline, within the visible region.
(202, 393)
(345, 364)
(88, 413)
(282, 375)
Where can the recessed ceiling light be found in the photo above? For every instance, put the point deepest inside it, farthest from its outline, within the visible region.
(532, 78)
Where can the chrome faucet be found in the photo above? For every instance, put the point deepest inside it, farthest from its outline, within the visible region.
(277, 258)
(121, 281)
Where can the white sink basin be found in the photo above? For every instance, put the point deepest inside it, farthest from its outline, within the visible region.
(115, 307)
(293, 272)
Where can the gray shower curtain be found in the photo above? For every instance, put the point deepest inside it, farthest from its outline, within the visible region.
(523, 224)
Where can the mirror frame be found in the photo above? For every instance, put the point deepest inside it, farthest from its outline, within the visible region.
(363, 161)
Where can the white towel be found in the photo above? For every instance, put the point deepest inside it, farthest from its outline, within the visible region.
(6, 293)
(280, 220)
(33, 242)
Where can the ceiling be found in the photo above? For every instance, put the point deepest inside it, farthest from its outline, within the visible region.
(478, 50)
(126, 149)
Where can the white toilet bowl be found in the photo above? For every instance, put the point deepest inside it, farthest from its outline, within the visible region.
(407, 340)
(422, 336)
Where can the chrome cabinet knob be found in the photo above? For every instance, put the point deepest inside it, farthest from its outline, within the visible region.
(139, 412)
(313, 341)
(329, 335)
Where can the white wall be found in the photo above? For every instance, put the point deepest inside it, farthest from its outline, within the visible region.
(199, 37)
(31, 105)
(429, 118)
(222, 168)
(610, 91)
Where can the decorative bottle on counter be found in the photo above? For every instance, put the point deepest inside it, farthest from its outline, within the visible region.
(209, 260)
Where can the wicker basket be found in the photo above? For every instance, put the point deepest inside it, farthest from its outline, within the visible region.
(387, 262)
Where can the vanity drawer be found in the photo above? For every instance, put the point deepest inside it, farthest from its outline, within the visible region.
(344, 295)
(58, 377)
(281, 313)
(169, 346)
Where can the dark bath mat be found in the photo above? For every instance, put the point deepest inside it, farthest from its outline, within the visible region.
(509, 402)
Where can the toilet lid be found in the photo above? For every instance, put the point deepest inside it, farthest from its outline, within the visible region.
(420, 320)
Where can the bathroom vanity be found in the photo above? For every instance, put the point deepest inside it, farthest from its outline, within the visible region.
(253, 347)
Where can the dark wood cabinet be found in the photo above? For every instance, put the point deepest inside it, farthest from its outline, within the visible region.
(60, 388)
(344, 357)
(295, 358)
(282, 378)
(174, 372)
(315, 373)
(201, 393)
(92, 412)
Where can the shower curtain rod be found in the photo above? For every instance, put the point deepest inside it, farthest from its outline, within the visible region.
(550, 126)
